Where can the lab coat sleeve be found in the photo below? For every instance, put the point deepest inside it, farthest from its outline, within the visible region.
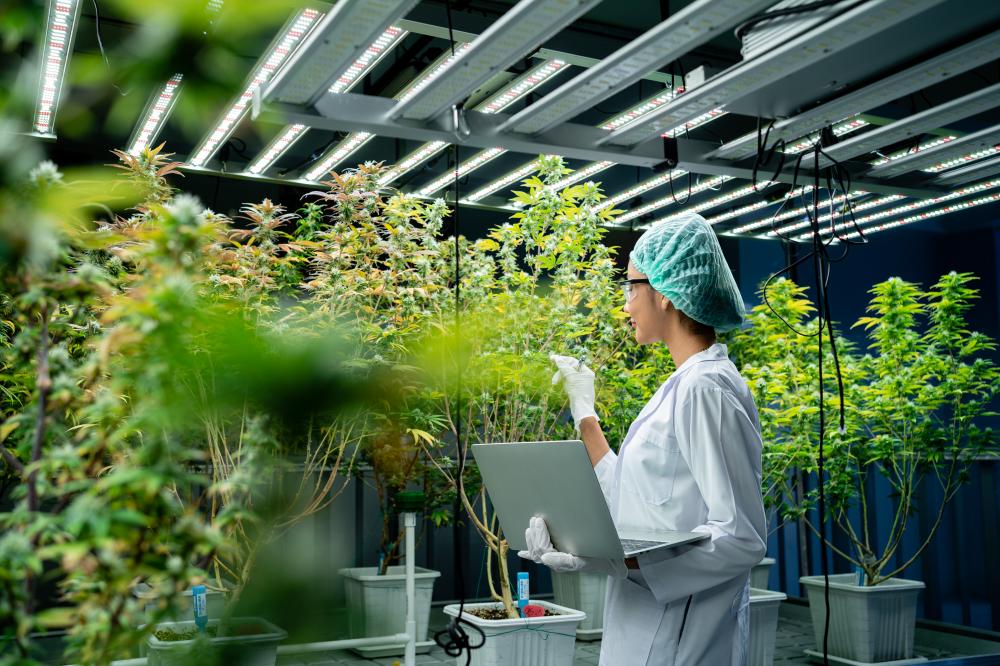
(605, 471)
(721, 445)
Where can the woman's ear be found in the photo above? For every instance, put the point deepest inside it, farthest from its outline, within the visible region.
(665, 303)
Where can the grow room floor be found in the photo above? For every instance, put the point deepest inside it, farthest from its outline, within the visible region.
(795, 634)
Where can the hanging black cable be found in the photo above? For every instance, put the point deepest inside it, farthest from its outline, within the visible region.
(454, 639)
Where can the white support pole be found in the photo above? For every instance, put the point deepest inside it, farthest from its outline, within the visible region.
(410, 656)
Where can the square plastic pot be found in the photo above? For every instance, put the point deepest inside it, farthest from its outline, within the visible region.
(538, 641)
(376, 605)
(764, 606)
(867, 624)
(585, 592)
(259, 649)
(761, 573)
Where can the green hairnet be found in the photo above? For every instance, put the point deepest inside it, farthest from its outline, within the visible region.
(683, 261)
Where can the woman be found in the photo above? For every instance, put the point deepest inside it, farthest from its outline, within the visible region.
(691, 462)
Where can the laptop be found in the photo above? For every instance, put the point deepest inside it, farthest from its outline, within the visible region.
(555, 480)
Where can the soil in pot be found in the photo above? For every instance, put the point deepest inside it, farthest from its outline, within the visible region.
(190, 633)
(498, 613)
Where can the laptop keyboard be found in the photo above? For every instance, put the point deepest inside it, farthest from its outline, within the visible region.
(632, 545)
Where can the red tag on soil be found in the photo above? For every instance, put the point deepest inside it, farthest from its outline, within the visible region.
(531, 610)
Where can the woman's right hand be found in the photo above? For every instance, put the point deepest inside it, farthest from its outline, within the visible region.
(578, 380)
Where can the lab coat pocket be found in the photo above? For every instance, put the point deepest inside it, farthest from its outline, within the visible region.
(651, 463)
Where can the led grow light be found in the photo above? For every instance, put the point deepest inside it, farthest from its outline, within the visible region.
(826, 217)
(788, 214)
(469, 165)
(522, 86)
(277, 148)
(677, 35)
(959, 151)
(638, 111)
(670, 199)
(373, 54)
(425, 152)
(514, 176)
(292, 37)
(840, 129)
(892, 157)
(339, 153)
(519, 31)
(738, 193)
(912, 206)
(639, 188)
(964, 159)
(920, 217)
(581, 174)
(697, 121)
(833, 36)
(60, 27)
(155, 116)
(434, 71)
(507, 96)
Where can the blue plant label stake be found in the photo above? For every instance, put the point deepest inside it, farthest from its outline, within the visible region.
(200, 605)
(522, 591)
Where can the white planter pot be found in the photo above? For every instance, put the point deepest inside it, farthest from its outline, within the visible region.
(867, 624)
(150, 598)
(376, 606)
(538, 641)
(585, 592)
(761, 572)
(763, 625)
(259, 649)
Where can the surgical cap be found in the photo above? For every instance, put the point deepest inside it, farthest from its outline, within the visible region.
(683, 261)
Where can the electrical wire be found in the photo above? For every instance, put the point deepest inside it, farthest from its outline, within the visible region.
(100, 45)
(454, 640)
(836, 178)
(741, 30)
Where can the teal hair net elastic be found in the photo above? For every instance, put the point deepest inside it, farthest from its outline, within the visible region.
(684, 262)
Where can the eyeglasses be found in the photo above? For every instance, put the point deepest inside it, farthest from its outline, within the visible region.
(627, 289)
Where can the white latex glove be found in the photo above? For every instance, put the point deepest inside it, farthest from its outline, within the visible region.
(539, 543)
(578, 380)
(541, 551)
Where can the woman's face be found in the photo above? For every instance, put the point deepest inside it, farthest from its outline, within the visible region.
(647, 310)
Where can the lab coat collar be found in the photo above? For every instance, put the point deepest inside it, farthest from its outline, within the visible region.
(717, 352)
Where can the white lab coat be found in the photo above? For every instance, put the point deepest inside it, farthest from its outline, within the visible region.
(691, 462)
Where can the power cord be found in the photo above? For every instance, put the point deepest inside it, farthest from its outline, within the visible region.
(454, 640)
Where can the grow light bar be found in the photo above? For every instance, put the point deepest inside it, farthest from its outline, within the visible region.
(392, 36)
(697, 121)
(60, 28)
(920, 217)
(664, 43)
(892, 157)
(580, 174)
(757, 224)
(353, 141)
(503, 181)
(353, 31)
(422, 154)
(519, 31)
(841, 129)
(339, 153)
(738, 193)
(521, 86)
(155, 116)
(290, 38)
(923, 74)
(912, 206)
(928, 120)
(711, 183)
(826, 217)
(639, 188)
(469, 165)
(973, 172)
(276, 148)
(833, 36)
(964, 159)
(959, 149)
(377, 50)
(639, 110)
